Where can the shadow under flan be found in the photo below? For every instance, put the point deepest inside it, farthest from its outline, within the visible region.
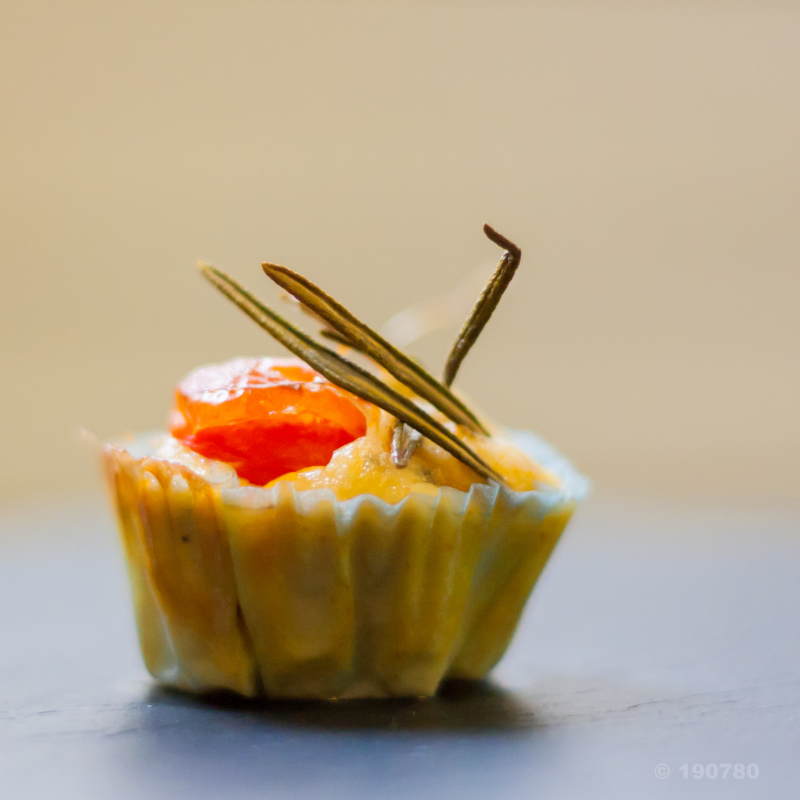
(468, 706)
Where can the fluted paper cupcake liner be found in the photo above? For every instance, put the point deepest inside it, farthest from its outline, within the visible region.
(269, 591)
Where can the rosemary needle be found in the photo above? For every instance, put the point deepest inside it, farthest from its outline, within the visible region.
(486, 304)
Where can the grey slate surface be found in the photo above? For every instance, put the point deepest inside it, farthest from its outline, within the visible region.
(657, 635)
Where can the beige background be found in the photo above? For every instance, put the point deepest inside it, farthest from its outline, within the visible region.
(645, 156)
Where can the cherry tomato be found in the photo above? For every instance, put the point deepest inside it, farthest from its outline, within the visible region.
(265, 416)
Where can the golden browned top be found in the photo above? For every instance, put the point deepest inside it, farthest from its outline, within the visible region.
(365, 466)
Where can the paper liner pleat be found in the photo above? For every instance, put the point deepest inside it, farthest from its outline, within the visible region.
(179, 562)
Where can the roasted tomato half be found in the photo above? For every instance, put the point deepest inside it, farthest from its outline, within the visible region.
(265, 416)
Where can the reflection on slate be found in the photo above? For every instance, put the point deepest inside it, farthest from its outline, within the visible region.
(657, 636)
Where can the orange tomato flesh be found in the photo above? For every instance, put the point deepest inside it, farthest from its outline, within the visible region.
(265, 416)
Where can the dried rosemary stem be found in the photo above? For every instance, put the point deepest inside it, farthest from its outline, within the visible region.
(404, 443)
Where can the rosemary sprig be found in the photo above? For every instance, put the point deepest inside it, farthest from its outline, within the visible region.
(345, 374)
(363, 338)
(486, 304)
